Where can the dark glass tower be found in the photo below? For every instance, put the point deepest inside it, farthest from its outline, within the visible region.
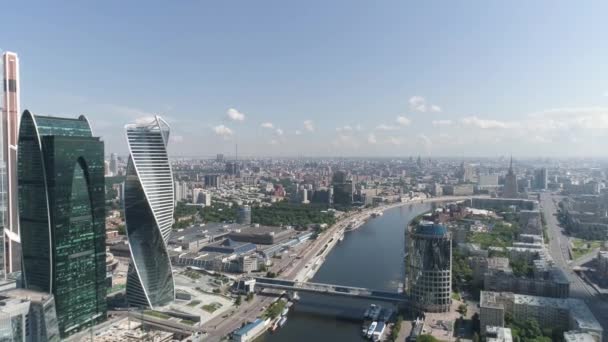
(62, 216)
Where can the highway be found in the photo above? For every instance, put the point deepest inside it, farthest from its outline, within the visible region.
(298, 269)
(558, 248)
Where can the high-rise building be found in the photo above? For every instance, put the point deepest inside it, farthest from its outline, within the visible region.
(540, 179)
(62, 212)
(430, 267)
(149, 214)
(181, 191)
(219, 158)
(212, 181)
(510, 188)
(343, 189)
(10, 121)
(27, 315)
(114, 164)
(200, 196)
(244, 215)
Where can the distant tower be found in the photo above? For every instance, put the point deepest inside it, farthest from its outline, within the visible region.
(114, 164)
(430, 267)
(244, 215)
(510, 188)
(10, 121)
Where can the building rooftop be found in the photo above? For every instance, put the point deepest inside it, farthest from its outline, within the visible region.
(430, 229)
(247, 328)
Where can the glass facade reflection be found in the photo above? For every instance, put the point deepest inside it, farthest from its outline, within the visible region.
(62, 216)
(149, 214)
(430, 267)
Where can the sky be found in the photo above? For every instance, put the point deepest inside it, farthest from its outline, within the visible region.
(323, 78)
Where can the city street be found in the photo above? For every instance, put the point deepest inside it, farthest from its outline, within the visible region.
(558, 248)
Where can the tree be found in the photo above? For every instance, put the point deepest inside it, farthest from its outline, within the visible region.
(238, 301)
(249, 296)
(462, 309)
(476, 337)
(426, 338)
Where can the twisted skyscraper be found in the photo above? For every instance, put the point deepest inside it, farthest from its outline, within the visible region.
(149, 214)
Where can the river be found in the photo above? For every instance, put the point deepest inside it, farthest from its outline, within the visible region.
(372, 257)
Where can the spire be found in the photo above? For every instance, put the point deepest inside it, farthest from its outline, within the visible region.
(511, 164)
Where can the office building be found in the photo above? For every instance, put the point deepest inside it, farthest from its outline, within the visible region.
(27, 315)
(601, 267)
(149, 214)
(212, 181)
(510, 188)
(458, 189)
(466, 173)
(219, 158)
(114, 164)
(244, 215)
(343, 189)
(430, 267)
(540, 179)
(181, 191)
(555, 313)
(10, 122)
(62, 212)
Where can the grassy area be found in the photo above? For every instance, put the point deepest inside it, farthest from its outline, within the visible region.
(156, 314)
(211, 307)
(187, 321)
(194, 303)
(582, 247)
(192, 274)
(275, 309)
(455, 296)
(501, 235)
(117, 288)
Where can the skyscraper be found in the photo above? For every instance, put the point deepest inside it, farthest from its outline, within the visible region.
(62, 212)
(541, 179)
(510, 188)
(430, 267)
(10, 120)
(149, 214)
(114, 164)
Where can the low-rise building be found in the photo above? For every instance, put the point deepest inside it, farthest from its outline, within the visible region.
(498, 334)
(561, 313)
(250, 331)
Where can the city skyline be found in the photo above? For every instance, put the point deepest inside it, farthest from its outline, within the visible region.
(373, 82)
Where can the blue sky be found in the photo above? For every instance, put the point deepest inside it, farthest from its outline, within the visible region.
(332, 78)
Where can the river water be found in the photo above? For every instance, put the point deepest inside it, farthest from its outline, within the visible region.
(372, 257)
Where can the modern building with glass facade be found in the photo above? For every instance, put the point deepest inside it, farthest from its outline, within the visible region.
(62, 216)
(430, 267)
(149, 214)
(27, 315)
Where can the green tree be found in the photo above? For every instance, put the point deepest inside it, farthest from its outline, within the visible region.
(462, 309)
(238, 301)
(426, 338)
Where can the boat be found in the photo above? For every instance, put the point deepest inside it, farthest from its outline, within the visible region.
(379, 331)
(385, 315)
(377, 213)
(372, 328)
(368, 312)
(285, 311)
(282, 321)
(375, 313)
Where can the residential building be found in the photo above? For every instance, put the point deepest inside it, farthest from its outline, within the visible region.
(149, 214)
(498, 334)
(541, 179)
(62, 204)
(559, 313)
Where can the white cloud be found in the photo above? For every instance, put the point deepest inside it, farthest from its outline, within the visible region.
(441, 122)
(419, 104)
(267, 125)
(394, 141)
(235, 115)
(485, 124)
(309, 125)
(371, 138)
(435, 109)
(346, 141)
(346, 128)
(279, 131)
(385, 127)
(223, 131)
(403, 121)
(298, 132)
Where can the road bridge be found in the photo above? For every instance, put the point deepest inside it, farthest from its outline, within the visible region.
(330, 289)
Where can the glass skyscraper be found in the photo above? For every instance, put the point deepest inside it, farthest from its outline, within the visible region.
(62, 216)
(149, 214)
